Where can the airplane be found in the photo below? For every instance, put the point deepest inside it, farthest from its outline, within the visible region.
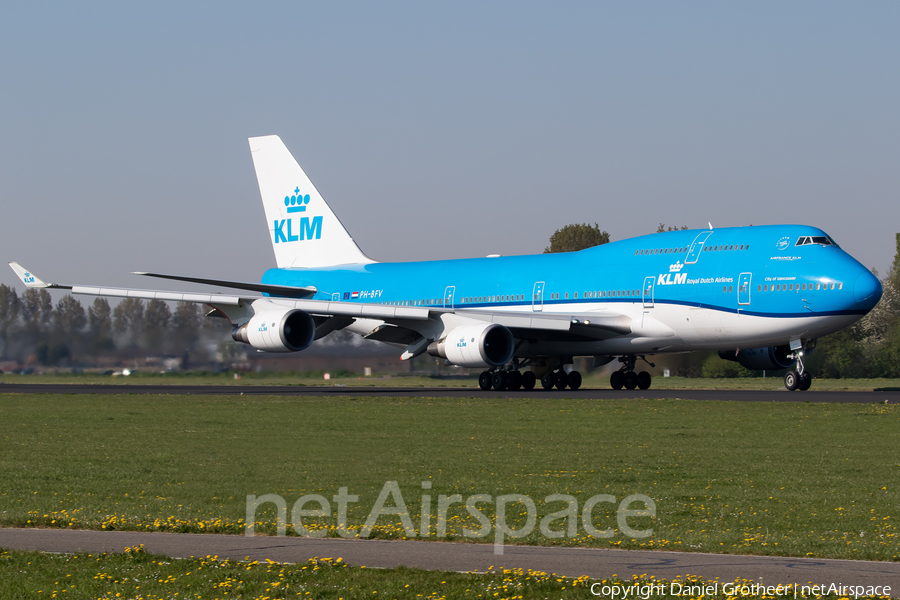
(760, 296)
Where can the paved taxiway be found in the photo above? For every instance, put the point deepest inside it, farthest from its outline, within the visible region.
(572, 562)
(773, 395)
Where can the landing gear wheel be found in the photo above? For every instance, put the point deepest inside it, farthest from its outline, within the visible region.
(484, 381)
(548, 381)
(562, 380)
(574, 380)
(499, 381)
(528, 380)
(616, 380)
(631, 380)
(805, 381)
(514, 380)
(644, 380)
(791, 380)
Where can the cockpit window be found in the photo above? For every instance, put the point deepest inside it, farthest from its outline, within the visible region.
(822, 240)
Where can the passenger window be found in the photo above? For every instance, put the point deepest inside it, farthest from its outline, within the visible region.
(840, 286)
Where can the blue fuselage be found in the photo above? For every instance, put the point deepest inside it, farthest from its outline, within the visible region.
(758, 271)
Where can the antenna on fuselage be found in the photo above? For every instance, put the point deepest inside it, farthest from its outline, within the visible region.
(710, 225)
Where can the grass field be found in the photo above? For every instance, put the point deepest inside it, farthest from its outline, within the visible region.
(137, 575)
(763, 478)
(599, 381)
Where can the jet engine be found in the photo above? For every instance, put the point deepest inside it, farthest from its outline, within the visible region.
(761, 359)
(478, 345)
(285, 330)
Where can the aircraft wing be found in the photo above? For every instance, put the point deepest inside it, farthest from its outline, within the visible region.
(32, 281)
(403, 323)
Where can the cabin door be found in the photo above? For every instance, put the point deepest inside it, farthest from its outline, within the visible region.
(537, 299)
(696, 248)
(448, 296)
(744, 288)
(649, 284)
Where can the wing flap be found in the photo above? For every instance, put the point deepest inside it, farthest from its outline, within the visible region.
(161, 295)
(355, 309)
(392, 334)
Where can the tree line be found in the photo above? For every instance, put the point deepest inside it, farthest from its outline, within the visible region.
(35, 330)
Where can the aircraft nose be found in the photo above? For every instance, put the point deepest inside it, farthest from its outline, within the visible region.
(867, 288)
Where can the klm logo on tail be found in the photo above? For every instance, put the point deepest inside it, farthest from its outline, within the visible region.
(297, 202)
(310, 228)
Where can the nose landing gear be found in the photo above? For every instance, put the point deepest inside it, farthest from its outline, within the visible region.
(627, 378)
(801, 379)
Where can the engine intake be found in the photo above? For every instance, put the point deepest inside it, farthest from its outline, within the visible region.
(288, 330)
(762, 359)
(479, 345)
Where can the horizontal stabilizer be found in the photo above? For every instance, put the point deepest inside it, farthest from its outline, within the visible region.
(284, 291)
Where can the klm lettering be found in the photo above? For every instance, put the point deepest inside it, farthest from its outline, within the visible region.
(309, 229)
(671, 278)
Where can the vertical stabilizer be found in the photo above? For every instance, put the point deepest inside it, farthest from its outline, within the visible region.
(304, 230)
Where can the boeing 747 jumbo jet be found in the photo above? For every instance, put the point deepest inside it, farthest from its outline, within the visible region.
(760, 296)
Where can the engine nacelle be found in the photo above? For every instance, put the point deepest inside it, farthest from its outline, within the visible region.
(479, 345)
(762, 359)
(287, 330)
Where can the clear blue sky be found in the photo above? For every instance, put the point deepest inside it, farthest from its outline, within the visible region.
(438, 130)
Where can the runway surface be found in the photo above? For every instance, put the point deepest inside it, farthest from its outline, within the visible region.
(572, 562)
(774, 395)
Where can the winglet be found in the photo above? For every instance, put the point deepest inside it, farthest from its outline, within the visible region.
(31, 280)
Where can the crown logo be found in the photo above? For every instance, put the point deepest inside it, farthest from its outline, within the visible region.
(676, 267)
(297, 202)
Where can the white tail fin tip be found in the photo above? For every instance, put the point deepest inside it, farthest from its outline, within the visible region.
(304, 231)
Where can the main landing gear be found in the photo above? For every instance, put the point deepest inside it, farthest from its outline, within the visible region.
(511, 378)
(800, 379)
(627, 378)
(506, 380)
(561, 380)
